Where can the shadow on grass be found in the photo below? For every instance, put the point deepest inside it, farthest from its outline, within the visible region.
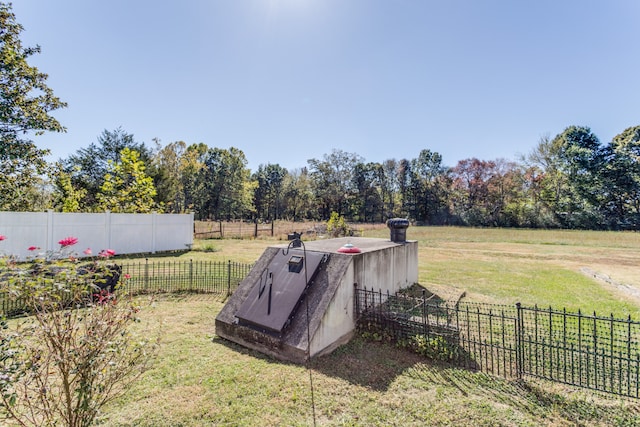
(542, 399)
(383, 368)
(369, 364)
(378, 365)
(249, 352)
(149, 255)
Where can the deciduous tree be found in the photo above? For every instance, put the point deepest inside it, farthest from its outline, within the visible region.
(298, 195)
(581, 160)
(268, 195)
(471, 190)
(192, 165)
(225, 179)
(126, 187)
(427, 186)
(622, 175)
(367, 203)
(332, 179)
(25, 105)
(168, 164)
(88, 166)
(66, 197)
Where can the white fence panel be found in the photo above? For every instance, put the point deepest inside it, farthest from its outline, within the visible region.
(22, 230)
(165, 229)
(124, 233)
(90, 229)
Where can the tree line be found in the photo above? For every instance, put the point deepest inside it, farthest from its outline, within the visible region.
(569, 181)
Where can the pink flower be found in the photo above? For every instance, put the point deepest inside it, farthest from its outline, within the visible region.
(2, 237)
(104, 297)
(87, 251)
(127, 276)
(33, 248)
(106, 253)
(68, 241)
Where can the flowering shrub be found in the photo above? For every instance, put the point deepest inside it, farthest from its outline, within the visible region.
(68, 241)
(75, 351)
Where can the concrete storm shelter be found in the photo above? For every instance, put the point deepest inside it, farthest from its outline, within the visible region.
(298, 299)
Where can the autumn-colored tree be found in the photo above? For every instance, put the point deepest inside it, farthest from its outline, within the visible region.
(471, 190)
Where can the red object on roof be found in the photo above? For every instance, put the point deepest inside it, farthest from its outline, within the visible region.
(349, 249)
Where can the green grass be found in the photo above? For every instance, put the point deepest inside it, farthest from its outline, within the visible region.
(543, 267)
(202, 380)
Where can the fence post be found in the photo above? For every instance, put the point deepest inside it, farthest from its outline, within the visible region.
(191, 274)
(356, 301)
(229, 278)
(49, 245)
(146, 273)
(519, 349)
(107, 225)
(424, 310)
(154, 230)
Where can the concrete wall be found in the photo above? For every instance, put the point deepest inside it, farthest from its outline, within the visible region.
(387, 268)
(382, 265)
(124, 233)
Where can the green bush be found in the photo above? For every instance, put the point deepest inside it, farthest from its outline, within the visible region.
(337, 227)
(435, 348)
(74, 352)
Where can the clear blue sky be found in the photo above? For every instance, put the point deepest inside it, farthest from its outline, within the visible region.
(290, 80)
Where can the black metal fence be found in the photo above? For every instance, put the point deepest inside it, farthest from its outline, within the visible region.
(147, 276)
(590, 351)
(184, 276)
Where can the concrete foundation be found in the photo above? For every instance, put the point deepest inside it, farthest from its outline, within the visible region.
(325, 317)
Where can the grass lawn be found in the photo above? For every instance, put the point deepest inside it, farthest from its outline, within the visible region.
(543, 267)
(202, 380)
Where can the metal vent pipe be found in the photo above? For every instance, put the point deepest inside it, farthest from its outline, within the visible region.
(398, 228)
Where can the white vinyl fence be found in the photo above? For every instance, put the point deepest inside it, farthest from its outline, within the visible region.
(124, 233)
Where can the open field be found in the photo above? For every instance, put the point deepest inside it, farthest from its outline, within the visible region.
(201, 380)
(544, 267)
